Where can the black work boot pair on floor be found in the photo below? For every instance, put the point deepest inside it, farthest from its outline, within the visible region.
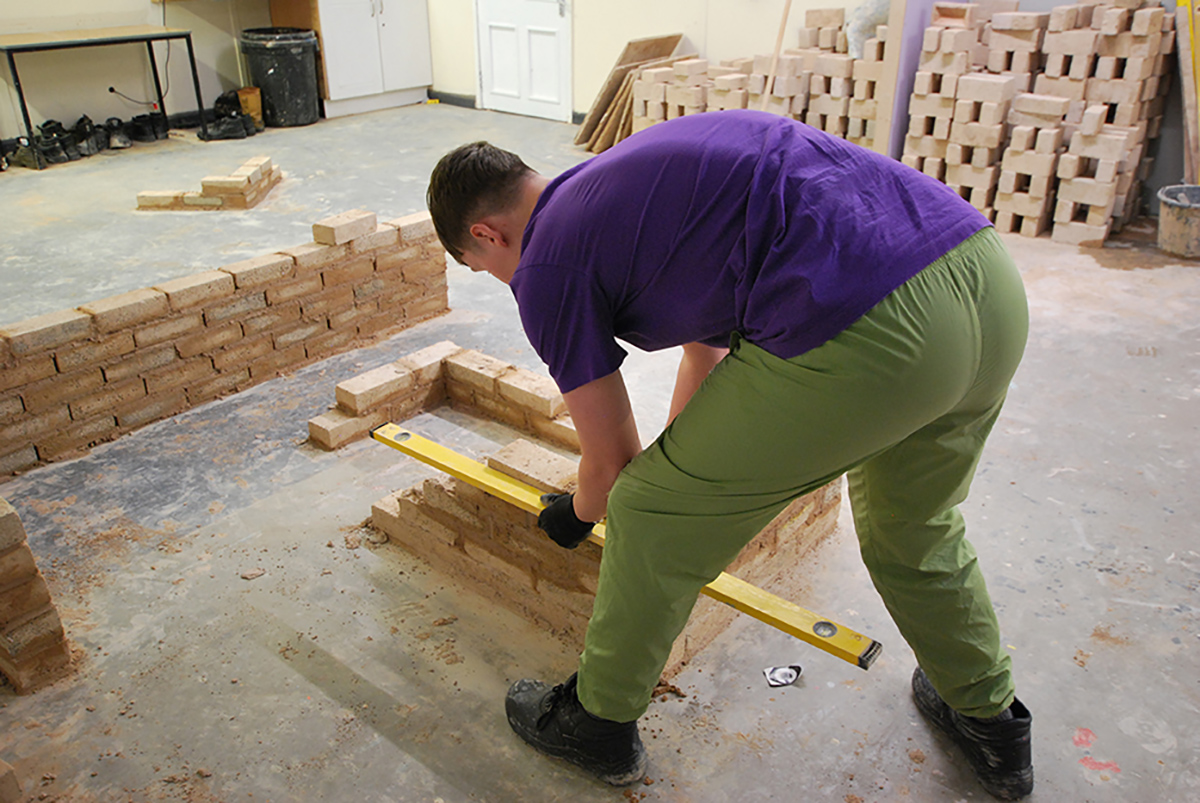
(554, 722)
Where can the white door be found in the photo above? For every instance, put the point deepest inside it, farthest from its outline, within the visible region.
(525, 56)
(404, 44)
(350, 38)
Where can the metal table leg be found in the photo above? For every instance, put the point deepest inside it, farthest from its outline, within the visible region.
(12, 68)
(196, 85)
(162, 106)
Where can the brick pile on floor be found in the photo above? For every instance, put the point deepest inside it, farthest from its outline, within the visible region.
(241, 189)
(1099, 75)
(33, 646)
(816, 82)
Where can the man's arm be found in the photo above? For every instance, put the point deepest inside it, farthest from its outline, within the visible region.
(698, 360)
(608, 439)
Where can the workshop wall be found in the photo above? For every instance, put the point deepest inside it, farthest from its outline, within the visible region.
(64, 84)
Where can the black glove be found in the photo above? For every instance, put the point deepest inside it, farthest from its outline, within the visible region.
(559, 521)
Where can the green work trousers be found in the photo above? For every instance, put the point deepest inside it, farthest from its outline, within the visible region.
(903, 401)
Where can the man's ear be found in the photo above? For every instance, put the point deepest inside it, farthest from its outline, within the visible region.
(484, 231)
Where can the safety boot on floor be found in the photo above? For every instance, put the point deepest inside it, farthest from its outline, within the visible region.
(555, 722)
(997, 748)
(118, 133)
(28, 155)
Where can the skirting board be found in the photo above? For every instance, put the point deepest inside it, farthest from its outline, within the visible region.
(373, 103)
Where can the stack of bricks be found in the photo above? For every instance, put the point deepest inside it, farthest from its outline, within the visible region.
(1025, 200)
(33, 647)
(816, 82)
(1105, 63)
(241, 189)
(868, 71)
(977, 134)
(469, 380)
(947, 49)
(77, 377)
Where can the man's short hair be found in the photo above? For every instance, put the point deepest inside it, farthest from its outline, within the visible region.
(470, 183)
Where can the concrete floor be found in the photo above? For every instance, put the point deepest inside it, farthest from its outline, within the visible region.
(327, 678)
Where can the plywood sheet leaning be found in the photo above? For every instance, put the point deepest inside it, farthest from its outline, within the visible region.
(617, 122)
(638, 50)
(1187, 75)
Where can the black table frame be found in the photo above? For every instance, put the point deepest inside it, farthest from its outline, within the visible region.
(148, 37)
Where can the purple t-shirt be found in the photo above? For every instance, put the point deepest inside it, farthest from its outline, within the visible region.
(722, 222)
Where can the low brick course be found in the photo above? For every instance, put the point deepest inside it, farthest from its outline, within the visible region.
(73, 378)
(241, 189)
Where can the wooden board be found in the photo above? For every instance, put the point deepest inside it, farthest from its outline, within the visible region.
(606, 133)
(624, 109)
(638, 50)
(1187, 76)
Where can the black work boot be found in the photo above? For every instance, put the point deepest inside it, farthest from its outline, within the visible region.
(998, 748)
(554, 722)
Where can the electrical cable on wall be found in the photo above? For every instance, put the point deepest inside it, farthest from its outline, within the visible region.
(166, 69)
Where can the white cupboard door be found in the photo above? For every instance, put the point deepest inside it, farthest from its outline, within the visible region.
(350, 38)
(404, 44)
(524, 56)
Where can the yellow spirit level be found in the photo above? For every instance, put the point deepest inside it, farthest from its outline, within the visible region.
(835, 639)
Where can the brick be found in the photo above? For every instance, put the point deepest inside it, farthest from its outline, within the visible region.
(931, 39)
(36, 670)
(160, 199)
(426, 364)
(112, 395)
(925, 146)
(536, 466)
(427, 307)
(23, 430)
(384, 236)
(1101, 146)
(1026, 41)
(12, 532)
(152, 408)
(221, 385)
(60, 389)
(210, 339)
(476, 370)
(414, 228)
(314, 256)
(1073, 43)
(199, 288)
(11, 407)
(931, 106)
(1033, 103)
(1049, 140)
(272, 318)
(985, 87)
(560, 430)
(343, 228)
(1021, 204)
(17, 564)
(1087, 191)
(23, 599)
(977, 135)
(1019, 21)
(184, 372)
(373, 388)
(127, 309)
(532, 391)
(1080, 234)
(33, 636)
(165, 330)
(80, 435)
(336, 428)
(199, 201)
(299, 334)
(353, 270)
(27, 371)
(330, 342)
(306, 285)
(243, 353)
(235, 308)
(399, 259)
(1147, 21)
(351, 318)
(24, 457)
(1062, 18)
(260, 270)
(1029, 162)
(224, 185)
(954, 15)
(47, 331)
(824, 17)
(1063, 87)
(141, 362)
(400, 516)
(956, 40)
(93, 352)
(334, 299)
(277, 362)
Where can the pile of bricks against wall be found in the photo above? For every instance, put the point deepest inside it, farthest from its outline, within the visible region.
(816, 82)
(496, 547)
(33, 647)
(77, 377)
(443, 372)
(241, 189)
(1042, 121)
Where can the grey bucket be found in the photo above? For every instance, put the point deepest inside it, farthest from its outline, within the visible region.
(1179, 220)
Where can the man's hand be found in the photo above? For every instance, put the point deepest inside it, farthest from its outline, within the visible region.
(559, 521)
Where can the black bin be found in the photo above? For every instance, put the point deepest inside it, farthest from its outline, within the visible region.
(283, 65)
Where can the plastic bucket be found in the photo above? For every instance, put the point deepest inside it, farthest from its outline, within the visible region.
(283, 65)
(1179, 220)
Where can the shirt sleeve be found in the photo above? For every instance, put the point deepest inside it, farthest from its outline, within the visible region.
(569, 322)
